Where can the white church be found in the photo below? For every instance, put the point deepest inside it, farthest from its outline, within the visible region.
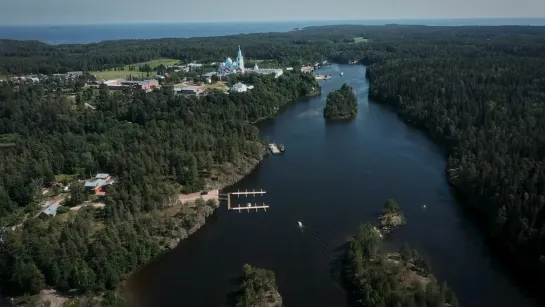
(229, 67)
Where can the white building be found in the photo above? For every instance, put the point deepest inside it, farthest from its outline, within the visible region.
(240, 87)
(267, 71)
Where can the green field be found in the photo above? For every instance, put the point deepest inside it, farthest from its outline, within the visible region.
(113, 74)
(360, 40)
(63, 177)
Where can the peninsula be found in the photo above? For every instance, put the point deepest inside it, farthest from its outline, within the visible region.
(376, 278)
(341, 104)
(258, 288)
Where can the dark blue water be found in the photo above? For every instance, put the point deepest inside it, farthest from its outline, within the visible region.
(332, 177)
(81, 34)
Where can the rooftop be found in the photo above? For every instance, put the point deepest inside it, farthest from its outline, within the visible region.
(52, 210)
(99, 181)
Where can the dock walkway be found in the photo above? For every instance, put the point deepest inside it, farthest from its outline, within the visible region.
(274, 148)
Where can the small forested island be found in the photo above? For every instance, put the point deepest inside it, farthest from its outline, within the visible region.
(391, 216)
(258, 288)
(391, 279)
(341, 104)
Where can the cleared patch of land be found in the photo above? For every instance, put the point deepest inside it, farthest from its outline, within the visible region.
(220, 85)
(123, 72)
(360, 39)
(190, 198)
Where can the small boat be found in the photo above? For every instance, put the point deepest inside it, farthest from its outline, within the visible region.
(342, 73)
(300, 224)
(249, 204)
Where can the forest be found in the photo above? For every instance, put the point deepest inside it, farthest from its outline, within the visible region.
(478, 91)
(341, 104)
(390, 280)
(484, 100)
(258, 288)
(157, 145)
(308, 45)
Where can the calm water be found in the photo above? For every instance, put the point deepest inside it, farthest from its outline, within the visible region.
(332, 177)
(81, 34)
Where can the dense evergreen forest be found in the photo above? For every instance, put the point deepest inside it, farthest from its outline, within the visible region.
(335, 43)
(484, 99)
(477, 90)
(391, 280)
(156, 144)
(258, 288)
(341, 104)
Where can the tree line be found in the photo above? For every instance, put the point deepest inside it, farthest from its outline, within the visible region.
(484, 99)
(312, 44)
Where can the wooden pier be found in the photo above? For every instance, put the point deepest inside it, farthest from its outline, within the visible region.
(249, 206)
(252, 207)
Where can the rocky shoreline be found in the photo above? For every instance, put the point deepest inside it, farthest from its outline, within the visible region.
(391, 217)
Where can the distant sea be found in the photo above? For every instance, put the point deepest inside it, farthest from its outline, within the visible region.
(81, 34)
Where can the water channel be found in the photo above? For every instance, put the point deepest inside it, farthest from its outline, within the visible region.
(332, 177)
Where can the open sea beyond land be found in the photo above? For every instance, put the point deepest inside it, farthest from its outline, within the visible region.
(82, 34)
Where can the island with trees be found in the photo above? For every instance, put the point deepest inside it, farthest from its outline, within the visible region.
(341, 104)
(258, 288)
(391, 217)
(404, 278)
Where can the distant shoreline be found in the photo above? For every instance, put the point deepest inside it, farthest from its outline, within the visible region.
(56, 34)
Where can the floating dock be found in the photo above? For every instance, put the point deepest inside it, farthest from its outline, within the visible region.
(322, 77)
(274, 148)
(248, 206)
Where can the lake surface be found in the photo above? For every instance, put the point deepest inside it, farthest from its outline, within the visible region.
(83, 34)
(332, 177)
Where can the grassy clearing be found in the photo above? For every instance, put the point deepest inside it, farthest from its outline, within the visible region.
(63, 177)
(360, 39)
(115, 74)
(220, 85)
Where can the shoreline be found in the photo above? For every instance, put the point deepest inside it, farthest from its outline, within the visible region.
(232, 174)
(229, 174)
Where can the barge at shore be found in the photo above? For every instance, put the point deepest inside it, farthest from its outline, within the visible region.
(276, 148)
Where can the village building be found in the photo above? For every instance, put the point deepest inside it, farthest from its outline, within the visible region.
(97, 184)
(240, 88)
(188, 90)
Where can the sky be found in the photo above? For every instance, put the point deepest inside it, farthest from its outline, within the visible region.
(59, 12)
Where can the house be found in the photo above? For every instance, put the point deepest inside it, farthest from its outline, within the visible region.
(117, 84)
(187, 90)
(307, 69)
(51, 210)
(74, 74)
(240, 87)
(147, 84)
(97, 184)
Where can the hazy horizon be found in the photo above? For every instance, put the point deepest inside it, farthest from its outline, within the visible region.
(67, 12)
(327, 21)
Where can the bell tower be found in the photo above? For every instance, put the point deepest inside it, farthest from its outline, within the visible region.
(240, 60)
